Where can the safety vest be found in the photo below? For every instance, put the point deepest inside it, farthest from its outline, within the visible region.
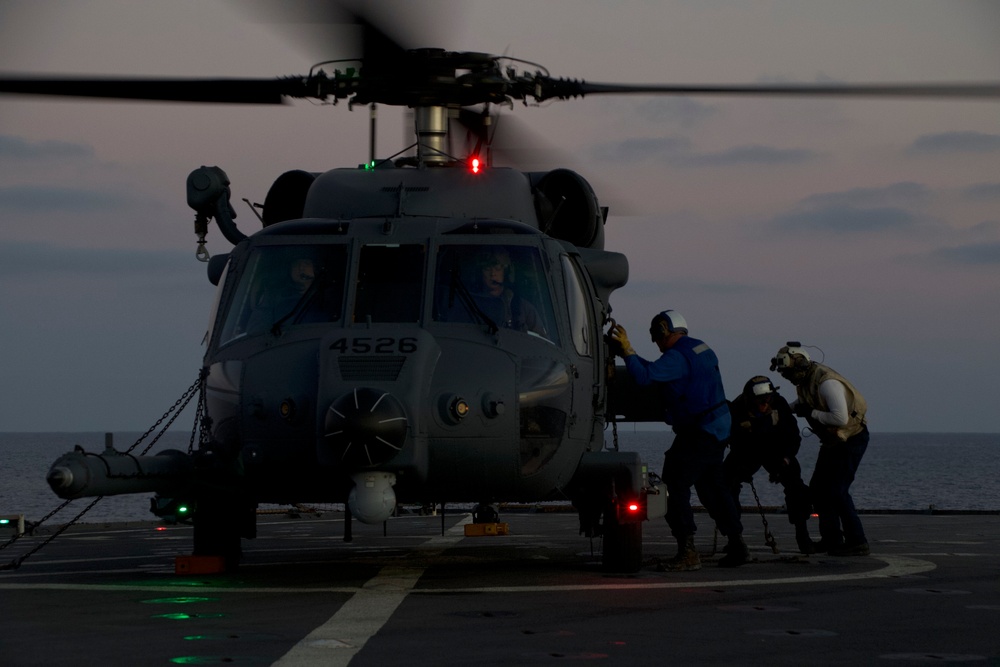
(857, 407)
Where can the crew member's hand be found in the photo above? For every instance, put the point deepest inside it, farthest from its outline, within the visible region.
(776, 476)
(619, 335)
(802, 409)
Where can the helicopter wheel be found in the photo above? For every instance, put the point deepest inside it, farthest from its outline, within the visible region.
(622, 551)
(218, 526)
(485, 513)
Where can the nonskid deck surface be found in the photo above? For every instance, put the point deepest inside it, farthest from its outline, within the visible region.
(418, 592)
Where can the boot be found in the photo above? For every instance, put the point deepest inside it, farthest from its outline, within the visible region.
(737, 552)
(860, 549)
(687, 558)
(806, 545)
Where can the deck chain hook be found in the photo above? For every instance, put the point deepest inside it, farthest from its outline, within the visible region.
(768, 537)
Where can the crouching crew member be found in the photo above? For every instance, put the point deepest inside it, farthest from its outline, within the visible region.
(687, 372)
(766, 433)
(835, 411)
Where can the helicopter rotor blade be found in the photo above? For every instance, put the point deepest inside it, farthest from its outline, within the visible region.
(380, 32)
(548, 88)
(211, 91)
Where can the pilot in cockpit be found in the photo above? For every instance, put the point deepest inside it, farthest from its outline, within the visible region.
(494, 293)
(302, 274)
(288, 296)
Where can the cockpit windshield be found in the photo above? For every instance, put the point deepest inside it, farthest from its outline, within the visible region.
(287, 285)
(498, 286)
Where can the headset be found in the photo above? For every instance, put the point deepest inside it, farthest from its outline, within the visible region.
(668, 322)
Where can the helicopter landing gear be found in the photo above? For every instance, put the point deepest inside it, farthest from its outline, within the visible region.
(485, 513)
(219, 523)
(622, 551)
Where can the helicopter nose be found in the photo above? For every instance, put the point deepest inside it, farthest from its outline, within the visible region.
(363, 428)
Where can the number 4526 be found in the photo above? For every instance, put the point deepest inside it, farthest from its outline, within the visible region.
(383, 345)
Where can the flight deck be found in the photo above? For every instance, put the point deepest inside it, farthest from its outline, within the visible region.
(417, 591)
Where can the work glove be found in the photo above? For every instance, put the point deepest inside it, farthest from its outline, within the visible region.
(619, 336)
(803, 410)
(775, 477)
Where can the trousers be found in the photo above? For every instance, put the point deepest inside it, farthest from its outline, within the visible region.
(836, 466)
(695, 459)
(742, 463)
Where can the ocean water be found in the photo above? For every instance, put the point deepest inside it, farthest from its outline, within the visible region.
(900, 471)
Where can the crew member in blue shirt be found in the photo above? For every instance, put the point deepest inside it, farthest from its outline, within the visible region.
(687, 373)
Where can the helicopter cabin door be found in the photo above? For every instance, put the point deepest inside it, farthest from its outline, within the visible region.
(583, 309)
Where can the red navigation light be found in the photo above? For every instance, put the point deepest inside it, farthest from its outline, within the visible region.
(474, 164)
(633, 507)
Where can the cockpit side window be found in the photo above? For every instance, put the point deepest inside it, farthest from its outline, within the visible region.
(286, 285)
(390, 283)
(216, 302)
(498, 286)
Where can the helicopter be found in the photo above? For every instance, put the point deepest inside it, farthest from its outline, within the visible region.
(353, 355)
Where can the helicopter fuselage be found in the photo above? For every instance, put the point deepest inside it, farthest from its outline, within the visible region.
(415, 335)
(397, 360)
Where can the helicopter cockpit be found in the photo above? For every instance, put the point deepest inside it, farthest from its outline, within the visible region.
(501, 286)
(292, 284)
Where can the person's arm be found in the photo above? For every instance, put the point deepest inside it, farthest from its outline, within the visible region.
(833, 394)
(668, 367)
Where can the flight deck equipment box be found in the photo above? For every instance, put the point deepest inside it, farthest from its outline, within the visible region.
(480, 529)
(199, 564)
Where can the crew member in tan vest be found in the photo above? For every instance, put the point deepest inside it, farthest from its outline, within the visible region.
(835, 411)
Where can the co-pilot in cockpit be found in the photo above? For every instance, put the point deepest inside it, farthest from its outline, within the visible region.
(287, 285)
(499, 286)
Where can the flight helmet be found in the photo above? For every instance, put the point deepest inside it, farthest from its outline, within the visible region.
(673, 320)
(791, 361)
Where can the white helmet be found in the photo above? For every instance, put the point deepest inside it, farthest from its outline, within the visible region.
(675, 322)
(758, 385)
(791, 359)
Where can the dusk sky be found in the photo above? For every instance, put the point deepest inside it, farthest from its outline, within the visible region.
(868, 228)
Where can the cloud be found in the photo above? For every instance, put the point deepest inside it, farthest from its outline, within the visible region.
(975, 254)
(898, 193)
(745, 155)
(48, 199)
(982, 192)
(955, 142)
(678, 152)
(21, 149)
(847, 219)
(683, 111)
(20, 260)
(861, 210)
(662, 149)
(985, 229)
